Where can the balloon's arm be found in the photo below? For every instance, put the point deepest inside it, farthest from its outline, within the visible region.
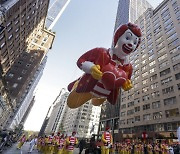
(86, 66)
(128, 69)
(90, 58)
(127, 85)
(96, 73)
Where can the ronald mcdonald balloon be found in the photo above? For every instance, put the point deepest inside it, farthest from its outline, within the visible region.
(106, 70)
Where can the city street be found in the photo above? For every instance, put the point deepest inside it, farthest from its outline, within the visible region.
(25, 148)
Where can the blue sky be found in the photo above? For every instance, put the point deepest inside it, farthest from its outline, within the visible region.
(83, 25)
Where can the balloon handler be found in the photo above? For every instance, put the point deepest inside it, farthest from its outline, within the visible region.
(106, 70)
(107, 141)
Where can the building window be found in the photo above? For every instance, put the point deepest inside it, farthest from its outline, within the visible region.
(136, 78)
(9, 29)
(170, 31)
(123, 114)
(146, 106)
(137, 109)
(171, 37)
(15, 85)
(175, 58)
(143, 56)
(20, 62)
(159, 39)
(173, 43)
(154, 77)
(124, 99)
(8, 24)
(144, 61)
(145, 89)
(177, 76)
(152, 63)
(162, 57)
(123, 106)
(11, 75)
(172, 113)
(137, 118)
(163, 64)
(130, 121)
(130, 112)
(166, 80)
(152, 70)
(170, 101)
(151, 57)
(175, 50)
(154, 85)
(150, 51)
(159, 45)
(136, 85)
(144, 74)
(147, 117)
(1, 37)
(130, 104)
(122, 122)
(19, 78)
(9, 38)
(17, 30)
(136, 72)
(145, 81)
(2, 45)
(155, 94)
(28, 65)
(156, 104)
(167, 22)
(16, 22)
(168, 90)
(136, 101)
(165, 72)
(157, 115)
(161, 50)
(178, 85)
(24, 71)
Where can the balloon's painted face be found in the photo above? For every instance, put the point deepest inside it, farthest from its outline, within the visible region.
(127, 43)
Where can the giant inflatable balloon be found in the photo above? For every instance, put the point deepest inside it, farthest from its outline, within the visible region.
(106, 70)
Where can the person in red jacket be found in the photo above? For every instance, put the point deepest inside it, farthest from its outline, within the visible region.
(106, 70)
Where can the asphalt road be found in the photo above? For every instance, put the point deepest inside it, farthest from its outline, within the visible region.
(25, 148)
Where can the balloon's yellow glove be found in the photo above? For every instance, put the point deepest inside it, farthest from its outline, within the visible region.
(96, 73)
(127, 85)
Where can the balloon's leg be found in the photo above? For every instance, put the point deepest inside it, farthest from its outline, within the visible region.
(75, 99)
(98, 101)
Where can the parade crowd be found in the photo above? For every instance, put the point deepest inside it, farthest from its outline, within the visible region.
(60, 144)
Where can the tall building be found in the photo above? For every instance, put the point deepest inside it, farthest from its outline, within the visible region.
(22, 31)
(84, 120)
(5, 105)
(128, 11)
(55, 10)
(23, 107)
(46, 127)
(55, 120)
(153, 104)
(19, 18)
(28, 110)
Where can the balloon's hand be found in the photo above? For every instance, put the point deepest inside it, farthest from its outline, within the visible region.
(96, 73)
(127, 85)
